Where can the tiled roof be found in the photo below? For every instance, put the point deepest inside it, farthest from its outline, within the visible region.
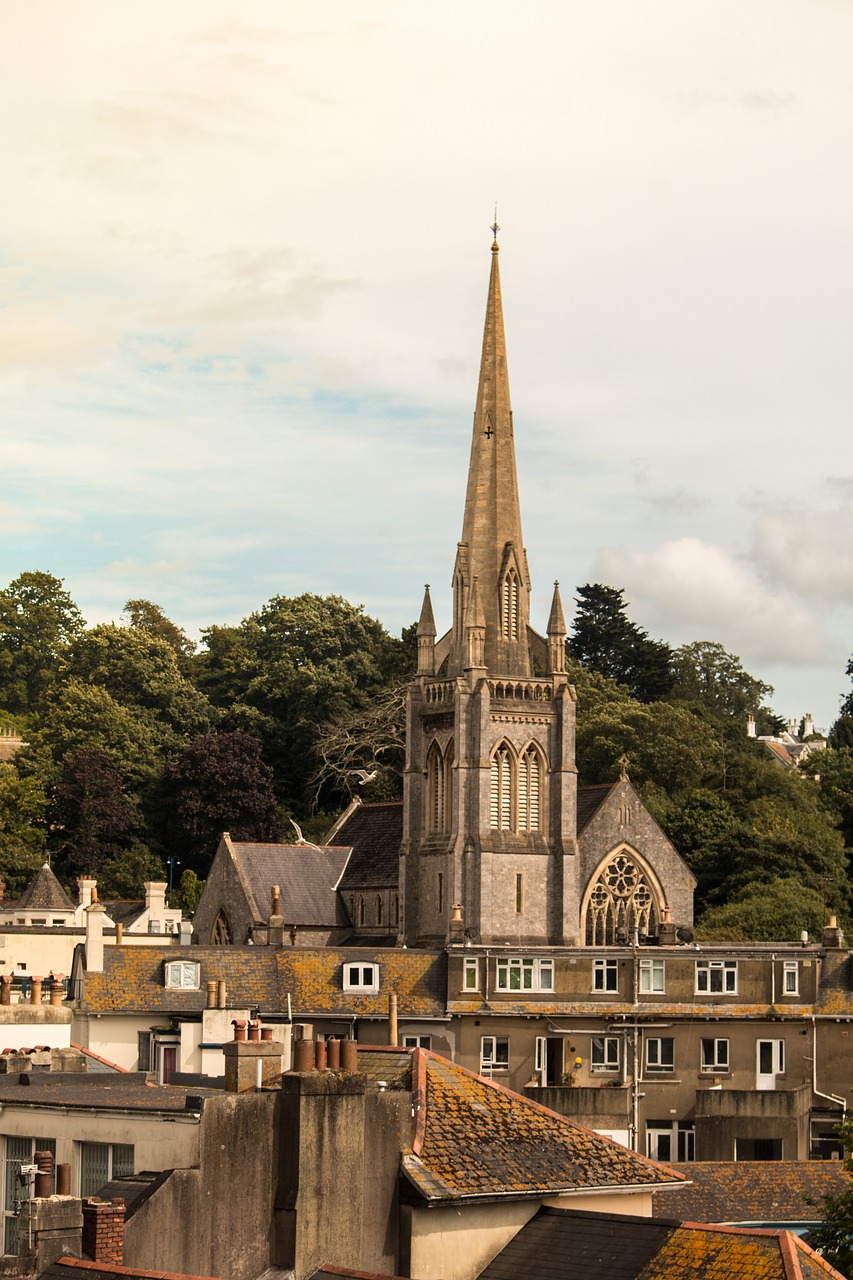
(44, 893)
(476, 1138)
(565, 1244)
(374, 831)
(621, 1009)
(697, 1252)
(753, 1191)
(124, 910)
(66, 1268)
(835, 994)
(308, 878)
(568, 1244)
(133, 980)
(590, 800)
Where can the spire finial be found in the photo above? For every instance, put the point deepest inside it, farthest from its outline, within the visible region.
(495, 229)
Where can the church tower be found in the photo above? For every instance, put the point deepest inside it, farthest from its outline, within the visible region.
(490, 790)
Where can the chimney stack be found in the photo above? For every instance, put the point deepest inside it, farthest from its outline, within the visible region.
(95, 935)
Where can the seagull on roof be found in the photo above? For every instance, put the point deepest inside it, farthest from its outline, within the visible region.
(364, 776)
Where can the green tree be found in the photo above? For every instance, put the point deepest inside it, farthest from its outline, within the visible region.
(833, 1237)
(143, 615)
(38, 618)
(23, 805)
(219, 783)
(774, 911)
(189, 892)
(713, 679)
(604, 639)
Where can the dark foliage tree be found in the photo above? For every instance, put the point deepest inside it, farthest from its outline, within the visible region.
(23, 805)
(143, 615)
(38, 618)
(777, 911)
(90, 817)
(604, 639)
(219, 783)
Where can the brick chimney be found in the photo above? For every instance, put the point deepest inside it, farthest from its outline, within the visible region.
(103, 1230)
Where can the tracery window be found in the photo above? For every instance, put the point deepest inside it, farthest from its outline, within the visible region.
(509, 606)
(529, 791)
(220, 934)
(503, 769)
(621, 902)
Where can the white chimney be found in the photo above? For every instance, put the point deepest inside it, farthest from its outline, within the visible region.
(85, 887)
(808, 725)
(750, 726)
(155, 899)
(95, 936)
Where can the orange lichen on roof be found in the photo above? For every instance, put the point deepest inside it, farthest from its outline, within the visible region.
(475, 1138)
(695, 1250)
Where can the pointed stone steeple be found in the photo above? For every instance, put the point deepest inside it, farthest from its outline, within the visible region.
(556, 634)
(426, 637)
(492, 547)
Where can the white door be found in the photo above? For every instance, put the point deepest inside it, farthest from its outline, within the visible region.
(770, 1063)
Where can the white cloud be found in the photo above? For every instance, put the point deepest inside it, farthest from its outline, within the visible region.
(808, 552)
(696, 591)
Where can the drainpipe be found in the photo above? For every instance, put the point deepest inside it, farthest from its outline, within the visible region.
(635, 1090)
(773, 979)
(830, 1097)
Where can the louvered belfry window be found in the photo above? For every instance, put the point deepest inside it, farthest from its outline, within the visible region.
(509, 606)
(501, 790)
(530, 791)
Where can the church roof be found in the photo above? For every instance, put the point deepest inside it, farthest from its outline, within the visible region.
(308, 877)
(44, 893)
(374, 832)
(590, 800)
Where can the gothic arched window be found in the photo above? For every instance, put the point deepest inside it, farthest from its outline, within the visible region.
(621, 901)
(509, 606)
(220, 934)
(503, 770)
(439, 788)
(530, 791)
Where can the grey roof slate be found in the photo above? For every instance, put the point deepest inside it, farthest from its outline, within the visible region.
(569, 1244)
(308, 878)
(590, 800)
(129, 1092)
(374, 831)
(44, 893)
(753, 1191)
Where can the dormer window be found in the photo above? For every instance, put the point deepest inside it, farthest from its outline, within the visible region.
(361, 977)
(182, 975)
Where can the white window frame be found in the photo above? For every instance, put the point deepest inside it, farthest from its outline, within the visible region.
(605, 1053)
(361, 976)
(777, 1056)
(653, 975)
(417, 1042)
(494, 1054)
(791, 978)
(182, 975)
(717, 1056)
(471, 973)
(711, 972)
(605, 975)
(524, 973)
(656, 1063)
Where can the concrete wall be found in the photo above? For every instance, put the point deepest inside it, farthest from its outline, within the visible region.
(215, 1219)
(26, 1025)
(158, 1142)
(724, 1116)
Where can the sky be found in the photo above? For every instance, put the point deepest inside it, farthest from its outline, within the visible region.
(244, 251)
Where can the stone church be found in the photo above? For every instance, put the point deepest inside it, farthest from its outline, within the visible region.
(500, 845)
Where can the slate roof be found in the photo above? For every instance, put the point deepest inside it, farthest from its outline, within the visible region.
(835, 994)
(566, 1244)
(133, 979)
(374, 831)
(476, 1138)
(44, 893)
(134, 1189)
(590, 800)
(754, 1191)
(124, 911)
(308, 878)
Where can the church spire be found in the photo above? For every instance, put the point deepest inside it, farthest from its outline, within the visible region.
(492, 546)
